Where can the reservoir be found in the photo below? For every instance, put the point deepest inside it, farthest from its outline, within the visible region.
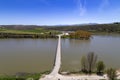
(37, 55)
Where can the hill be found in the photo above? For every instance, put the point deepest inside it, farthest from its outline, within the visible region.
(111, 27)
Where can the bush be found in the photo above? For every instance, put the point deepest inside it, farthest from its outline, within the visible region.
(84, 64)
(100, 67)
(111, 73)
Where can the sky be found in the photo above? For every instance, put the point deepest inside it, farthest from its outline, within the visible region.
(58, 12)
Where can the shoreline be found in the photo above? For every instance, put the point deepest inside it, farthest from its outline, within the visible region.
(70, 76)
(77, 77)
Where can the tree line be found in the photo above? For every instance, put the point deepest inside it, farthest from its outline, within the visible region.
(16, 35)
(113, 27)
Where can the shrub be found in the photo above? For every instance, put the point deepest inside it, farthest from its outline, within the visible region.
(84, 64)
(111, 73)
(100, 67)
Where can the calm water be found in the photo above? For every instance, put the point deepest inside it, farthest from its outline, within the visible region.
(37, 55)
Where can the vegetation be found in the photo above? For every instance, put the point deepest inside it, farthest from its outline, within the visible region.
(32, 33)
(84, 64)
(40, 33)
(89, 62)
(100, 67)
(92, 58)
(111, 73)
(8, 78)
(30, 77)
(113, 27)
(23, 76)
(80, 35)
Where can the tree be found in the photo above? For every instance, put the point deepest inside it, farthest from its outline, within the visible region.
(91, 58)
(100, 67)
(88, 62)
(84, 64)
(111, 73)
(80, 35)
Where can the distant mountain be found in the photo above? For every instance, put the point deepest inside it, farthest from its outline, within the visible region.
(20, 27)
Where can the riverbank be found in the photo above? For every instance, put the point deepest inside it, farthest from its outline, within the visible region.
(78, 77)
(23, 76)
(36, 76)
(43, 34)
(32, 33)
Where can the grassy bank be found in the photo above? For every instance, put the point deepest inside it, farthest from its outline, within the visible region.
(32, 33)
(23, 76)
(41, 33)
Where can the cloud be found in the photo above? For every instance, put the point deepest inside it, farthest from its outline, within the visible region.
(104, 4)
(82, 7)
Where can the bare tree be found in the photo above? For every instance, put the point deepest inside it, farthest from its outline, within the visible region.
(91, 59)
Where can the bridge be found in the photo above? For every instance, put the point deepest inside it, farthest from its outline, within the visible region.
(55, 72)
(58, 58)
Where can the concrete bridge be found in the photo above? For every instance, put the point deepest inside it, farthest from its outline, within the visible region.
(55, 72)
(58, 58)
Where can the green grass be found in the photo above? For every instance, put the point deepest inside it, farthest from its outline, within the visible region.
(23, 76)
(32, 31)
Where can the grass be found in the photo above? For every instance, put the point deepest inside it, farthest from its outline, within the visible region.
(23, 76)
(32, 31)
(29, 33)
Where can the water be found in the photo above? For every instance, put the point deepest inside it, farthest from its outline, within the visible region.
(107, 47)
(37, 55)
(26, 55)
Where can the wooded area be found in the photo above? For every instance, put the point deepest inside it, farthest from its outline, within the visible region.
(113, 27)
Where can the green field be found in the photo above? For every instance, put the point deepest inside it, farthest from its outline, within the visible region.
(32, 31)
(28, 33)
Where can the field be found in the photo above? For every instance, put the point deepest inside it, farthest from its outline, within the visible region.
(31, 31)
(28, 33)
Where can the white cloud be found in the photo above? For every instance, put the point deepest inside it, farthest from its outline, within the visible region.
(103, 5)
(82, 7)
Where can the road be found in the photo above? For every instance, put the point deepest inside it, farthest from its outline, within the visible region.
(58, 58)
(57, 64)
